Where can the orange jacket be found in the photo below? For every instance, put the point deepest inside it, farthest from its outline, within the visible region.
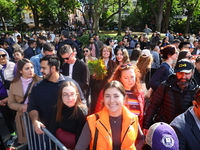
(128, 134)
(140, 97)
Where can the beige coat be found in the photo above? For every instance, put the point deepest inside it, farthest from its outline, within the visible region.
(15, 97)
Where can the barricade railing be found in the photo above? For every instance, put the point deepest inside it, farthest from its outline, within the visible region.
(45, 141)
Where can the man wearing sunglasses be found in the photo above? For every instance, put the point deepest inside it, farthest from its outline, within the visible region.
(75, 68)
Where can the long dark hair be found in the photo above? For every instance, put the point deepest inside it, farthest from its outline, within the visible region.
(60, 103)
(20, 65)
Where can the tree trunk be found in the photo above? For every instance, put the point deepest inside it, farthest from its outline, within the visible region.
(86, 23)
(190, 12)
(96, 24)
(159, 13)
(106, 20)
(167, 15)
(4, 24)
(158, 23)
(36, 19)
(120, 18)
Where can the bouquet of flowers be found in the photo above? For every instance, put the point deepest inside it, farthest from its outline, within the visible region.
(97, 69)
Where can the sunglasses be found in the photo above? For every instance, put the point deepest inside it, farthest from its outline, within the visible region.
(67, 57)
(85, 51)
(3, 55)
(125, 66)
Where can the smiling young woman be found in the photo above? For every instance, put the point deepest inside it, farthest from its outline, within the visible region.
(114, 127)
(97, 85)
(69, 115)
(129, 76)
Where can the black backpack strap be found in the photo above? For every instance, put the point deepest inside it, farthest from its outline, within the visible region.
(96, 135)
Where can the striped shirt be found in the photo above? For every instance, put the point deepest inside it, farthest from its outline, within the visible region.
(133, 103)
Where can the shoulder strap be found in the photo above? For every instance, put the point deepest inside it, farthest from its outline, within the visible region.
(95, 135)
(1, 74)
(27, 90)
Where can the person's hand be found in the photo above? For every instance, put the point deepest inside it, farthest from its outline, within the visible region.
(24, 107)
(37, 127)
(2, 103)
(145, 131)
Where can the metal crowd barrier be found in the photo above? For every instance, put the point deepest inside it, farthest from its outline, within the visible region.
(45, 141)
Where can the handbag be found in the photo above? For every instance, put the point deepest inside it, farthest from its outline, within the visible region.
(68, 139)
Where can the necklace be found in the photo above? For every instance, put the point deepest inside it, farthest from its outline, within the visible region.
(115, 121)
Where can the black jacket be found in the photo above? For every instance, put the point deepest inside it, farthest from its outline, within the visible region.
(197, 76)
(71, 43)
(169, 101)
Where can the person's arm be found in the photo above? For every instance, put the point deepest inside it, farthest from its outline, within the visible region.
(84, 139)
(12, 103)
(156, 78)
(34, 115)
(33, 111)
(140, 138)
(155, 104)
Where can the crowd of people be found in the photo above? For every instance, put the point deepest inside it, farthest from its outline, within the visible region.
(149, 98)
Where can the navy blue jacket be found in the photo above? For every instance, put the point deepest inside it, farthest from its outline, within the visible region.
(29, 52)
(160, 75)
(187, 131)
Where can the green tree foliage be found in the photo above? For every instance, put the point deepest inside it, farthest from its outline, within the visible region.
(56, 12)
(7, 12)
(52, 13)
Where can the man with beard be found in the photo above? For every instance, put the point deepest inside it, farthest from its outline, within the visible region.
(44, 94)
(173, 96)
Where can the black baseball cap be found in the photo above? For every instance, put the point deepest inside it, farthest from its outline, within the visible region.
(184, 65)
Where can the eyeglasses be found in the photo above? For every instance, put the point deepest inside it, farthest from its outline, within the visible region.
(125, 66)
(67, 57)
(3, 55)
(66, 96)
(85, 51)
